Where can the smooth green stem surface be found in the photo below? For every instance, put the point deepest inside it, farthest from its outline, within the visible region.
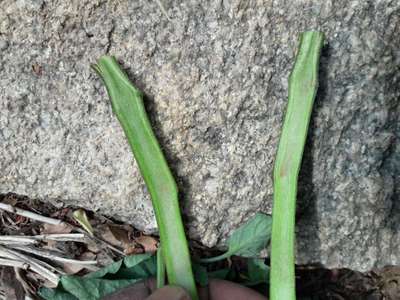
(303, 84)
(160, 269)
(127, 104)
(216, 258)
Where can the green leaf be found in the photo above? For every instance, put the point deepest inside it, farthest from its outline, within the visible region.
(134, 264)
(55, 294)
(139, 266)
(200, 274)
(107, 280)
(93, 289)
(220, 274)
(257, 271)
(252, 237)
(110, 269)
(137, 259)
(249, 239)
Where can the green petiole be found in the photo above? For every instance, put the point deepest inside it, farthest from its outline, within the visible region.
(160, 269)
(128, 106)
(303, 84)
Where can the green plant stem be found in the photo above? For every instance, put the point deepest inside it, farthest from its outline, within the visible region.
(215, 258)
(128, 106)
(160, 269)
(303, 83)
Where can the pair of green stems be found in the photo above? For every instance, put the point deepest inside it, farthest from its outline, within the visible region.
(128, 106)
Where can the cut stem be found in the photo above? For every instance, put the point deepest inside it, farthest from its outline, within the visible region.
(303, 84)
(128, 106)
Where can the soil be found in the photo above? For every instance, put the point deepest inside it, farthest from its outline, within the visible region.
(319, 283)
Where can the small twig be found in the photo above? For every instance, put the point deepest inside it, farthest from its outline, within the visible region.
(27, 288)
(108, 245)
(52, 221)
(34, 239)
(29, 214)
(52, 256)
(11, 240)
(11, 223)
(62, 237)
(99, 240)
(13, 263)
(33, 264)
(48, 266)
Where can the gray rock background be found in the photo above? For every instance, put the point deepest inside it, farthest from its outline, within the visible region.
(215, 80)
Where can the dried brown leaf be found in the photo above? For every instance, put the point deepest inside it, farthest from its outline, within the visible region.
(93, 246)
(49, 284)
(104, 259)
(12, 200)
(61, 214)
(133, 250)
(116, 235)
(120, 233)
(60, 228)
(71, 269)
(21, 220)
(12, 289)
(108, 236)
(149, 243)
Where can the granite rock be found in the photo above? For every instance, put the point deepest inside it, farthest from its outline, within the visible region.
(215, 78)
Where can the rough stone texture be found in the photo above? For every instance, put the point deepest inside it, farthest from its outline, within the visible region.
(215, 77)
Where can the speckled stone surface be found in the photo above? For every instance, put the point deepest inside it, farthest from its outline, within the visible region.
(215, 80)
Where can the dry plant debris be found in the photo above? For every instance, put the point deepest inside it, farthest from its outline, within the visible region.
(40, 243)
